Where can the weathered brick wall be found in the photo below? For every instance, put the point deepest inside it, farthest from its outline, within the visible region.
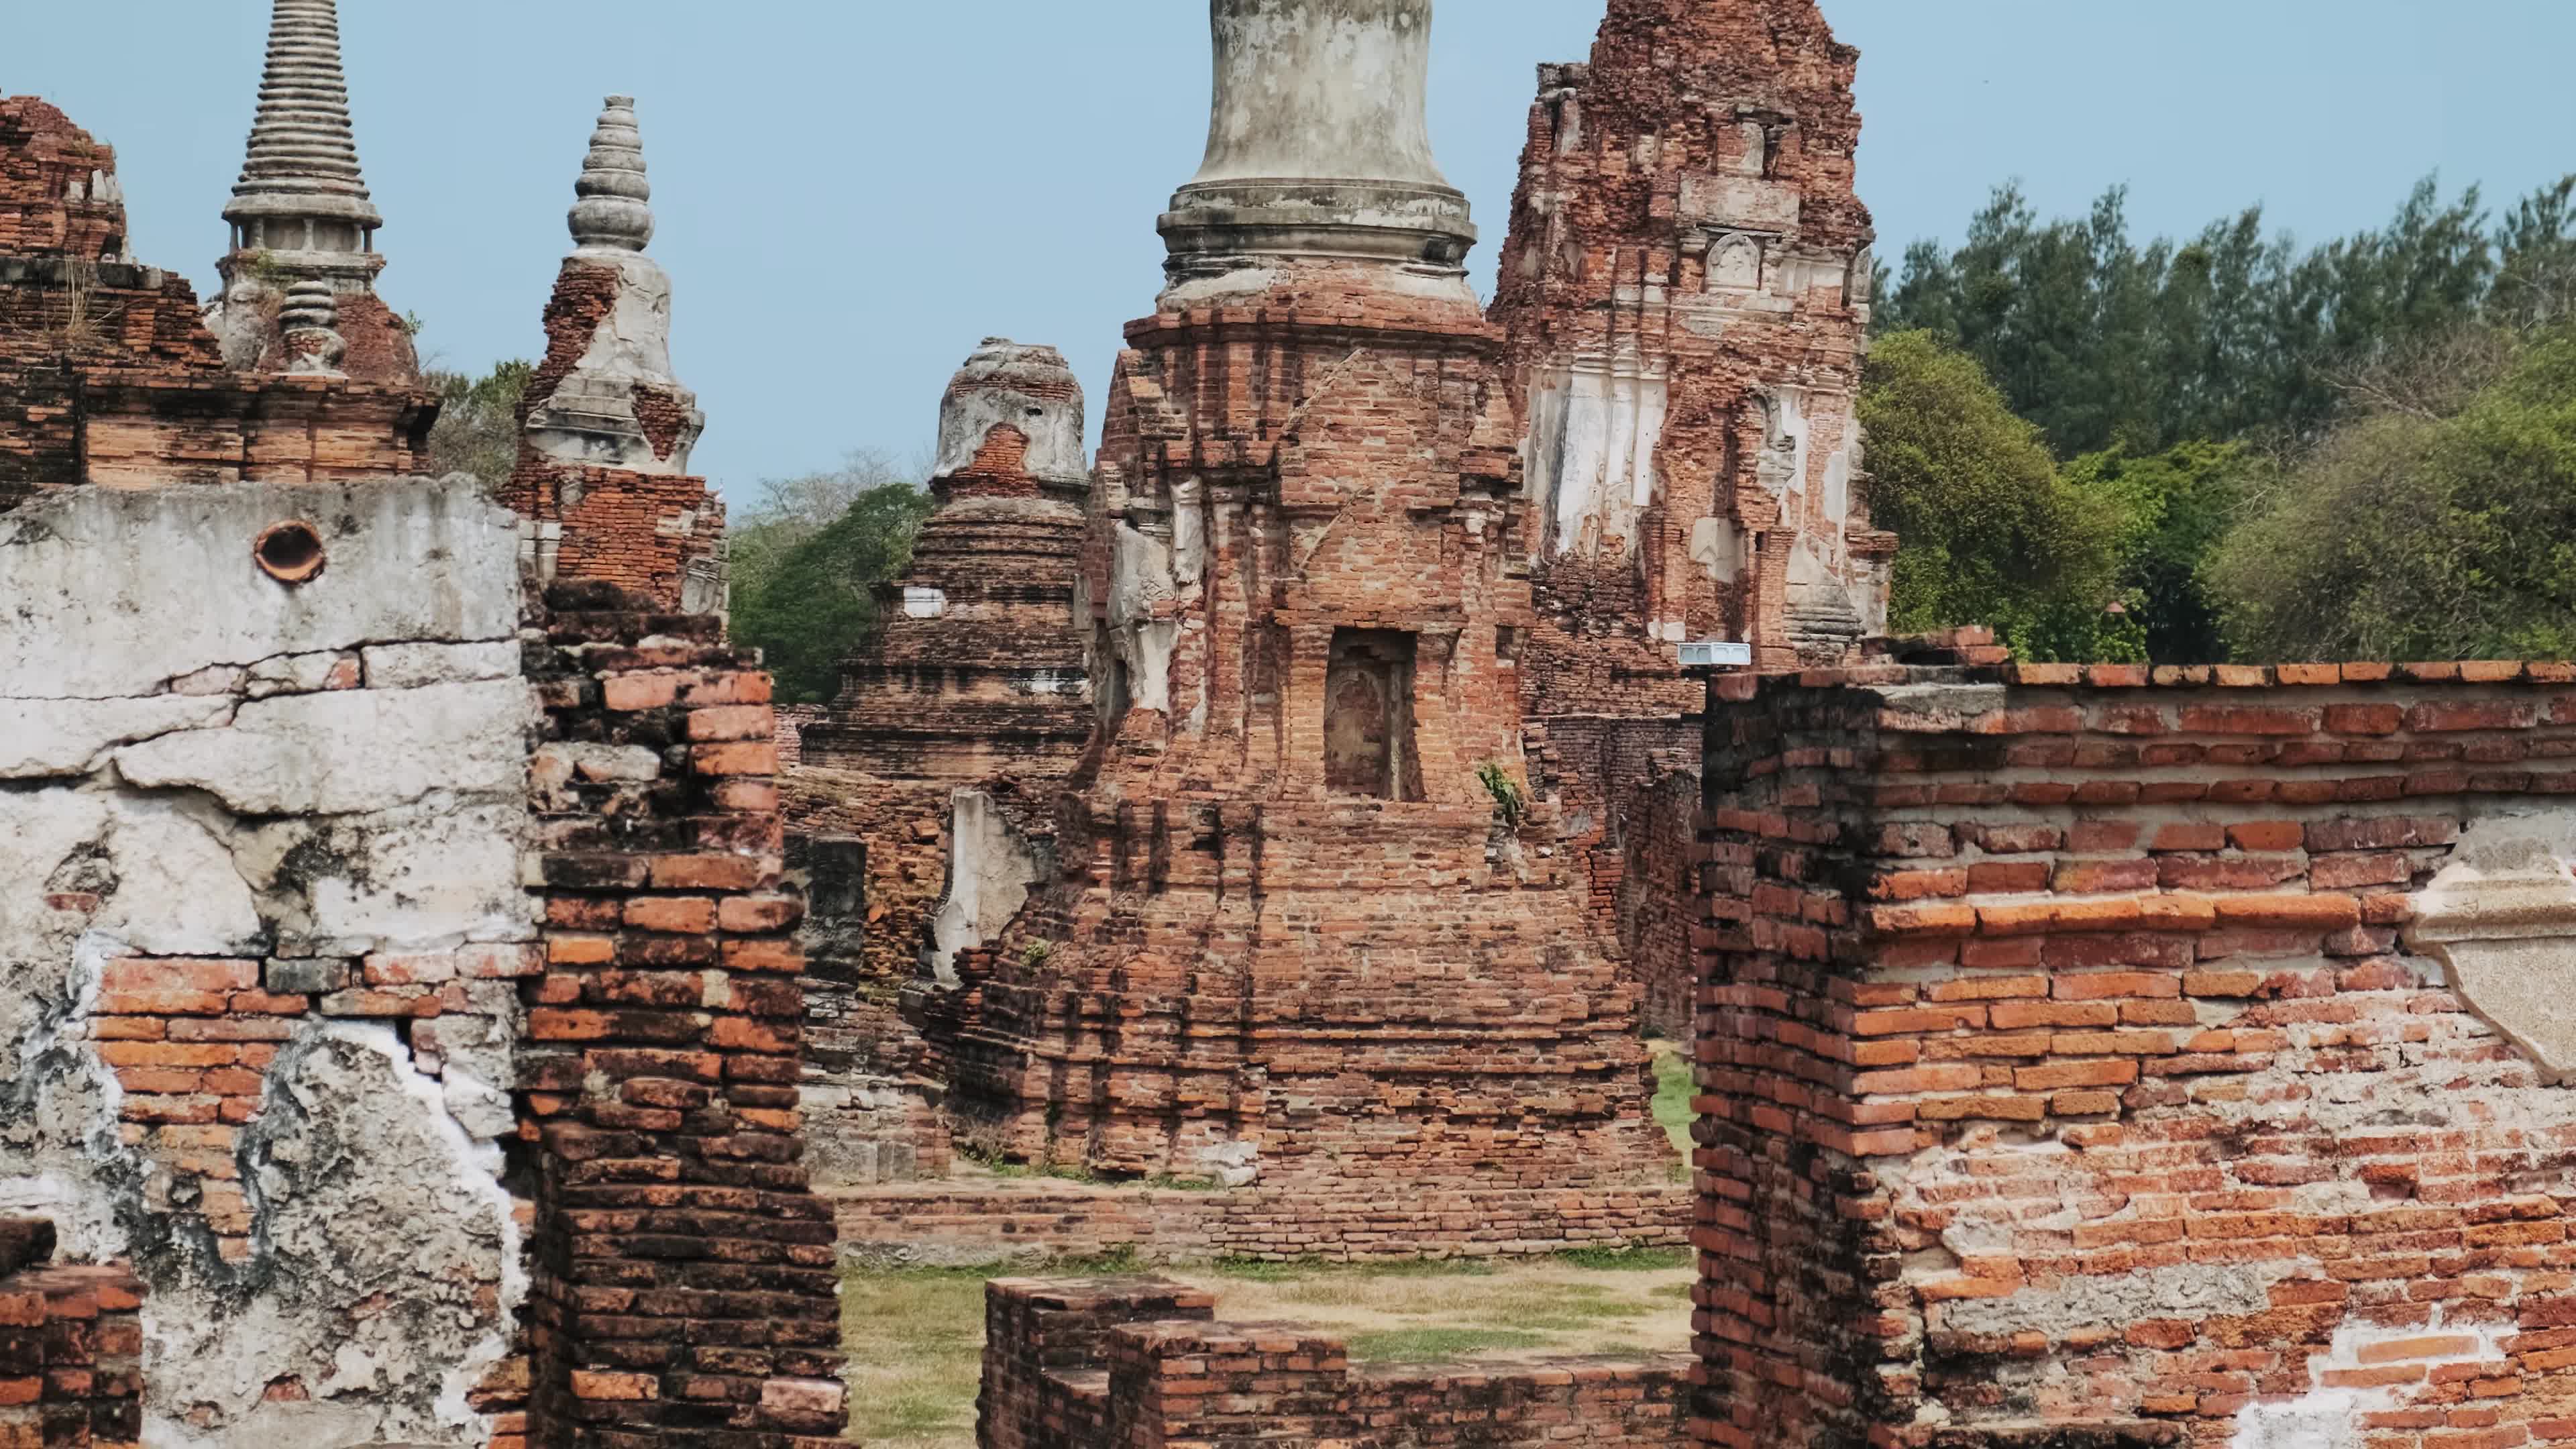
(58, 189)
(108, 374)
(261, 917)
(684, 1284)
(2114, 1057)
(1686, 289)
(1027, 1222)
(1137, 1362)
(957, 723)
(601, 477)
(71, 1347)
(640, 532)
(1624, 793)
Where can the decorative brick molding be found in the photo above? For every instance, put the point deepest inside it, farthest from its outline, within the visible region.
(1137, 1363)
(2066, 1060)
(71, 1347)
(684, 1289)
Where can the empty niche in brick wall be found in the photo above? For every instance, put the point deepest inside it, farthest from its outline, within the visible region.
(1368, 716)
(835, 872)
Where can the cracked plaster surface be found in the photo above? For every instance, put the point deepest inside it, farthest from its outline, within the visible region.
(198, 762)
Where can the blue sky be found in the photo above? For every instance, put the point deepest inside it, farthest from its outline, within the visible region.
(852, 192)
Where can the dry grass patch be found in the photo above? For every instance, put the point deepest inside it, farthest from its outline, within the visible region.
(916, 1337)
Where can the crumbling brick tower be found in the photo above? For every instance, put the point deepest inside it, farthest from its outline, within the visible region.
(301, 214)
(1685, 291)
(682, 1290)
(1297, 939)
(924, 812)
(604, 478)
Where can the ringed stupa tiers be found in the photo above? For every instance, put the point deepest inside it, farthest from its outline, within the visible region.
(301, 211)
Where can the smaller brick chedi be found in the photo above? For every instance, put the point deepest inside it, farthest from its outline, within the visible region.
(603, 478)
(1296, 938)
(110, 375)
(933, 778)
(301, 215)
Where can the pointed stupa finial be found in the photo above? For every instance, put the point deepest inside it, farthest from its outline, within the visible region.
(614, 213)
(300, 187)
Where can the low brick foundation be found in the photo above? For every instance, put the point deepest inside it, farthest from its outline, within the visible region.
(1137, 1362)
(71, 1346)
(931, 1224)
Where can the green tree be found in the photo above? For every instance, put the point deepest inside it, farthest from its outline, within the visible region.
(477, 430)
(1990, 532)
(2436, 522)
(2104, 342)
(808, 596)
(2179, 505)
(790, 511)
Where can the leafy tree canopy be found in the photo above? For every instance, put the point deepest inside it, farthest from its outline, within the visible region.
(478, 422)
(1992, 533)
(807, 559)
(2106, 343)
(2439, 522)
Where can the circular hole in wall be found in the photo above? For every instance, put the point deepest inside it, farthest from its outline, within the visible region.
(290, 552)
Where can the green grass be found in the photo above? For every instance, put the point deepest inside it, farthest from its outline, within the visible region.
(1627, 1260)
(1673, 1090)
(1424, 1345)
(1293, 1270)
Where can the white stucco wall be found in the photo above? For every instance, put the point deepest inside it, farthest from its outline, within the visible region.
(208, 776)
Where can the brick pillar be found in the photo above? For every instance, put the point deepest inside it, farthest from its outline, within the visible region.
(683, 1271)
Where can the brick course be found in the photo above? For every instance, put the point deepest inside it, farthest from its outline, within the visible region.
(71, 1347)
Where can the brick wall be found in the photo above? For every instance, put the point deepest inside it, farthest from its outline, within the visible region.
(108, 374)
(71, 1347)
(1138, 1362)
(1031, 1221)
(2123, 1057)
(1624, 792)
(684, 1285)
(1243, 972)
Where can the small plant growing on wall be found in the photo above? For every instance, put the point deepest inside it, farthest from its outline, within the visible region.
(1511, 803)
(1036, 954)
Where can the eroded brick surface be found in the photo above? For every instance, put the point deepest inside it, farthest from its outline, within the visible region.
(2119, 1050)
(939, 763)
(684, 1285)
(1135, 1362)
(71, 1347)
(108, 374)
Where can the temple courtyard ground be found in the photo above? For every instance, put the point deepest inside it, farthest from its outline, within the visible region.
(915, 1335)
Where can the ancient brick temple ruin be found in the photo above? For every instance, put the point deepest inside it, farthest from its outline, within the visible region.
(924, 810)
(1303, 936)
(1685, 290)
(397, 983)
(404, 1027)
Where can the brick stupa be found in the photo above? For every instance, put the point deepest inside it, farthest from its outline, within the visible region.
(1297, 940)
